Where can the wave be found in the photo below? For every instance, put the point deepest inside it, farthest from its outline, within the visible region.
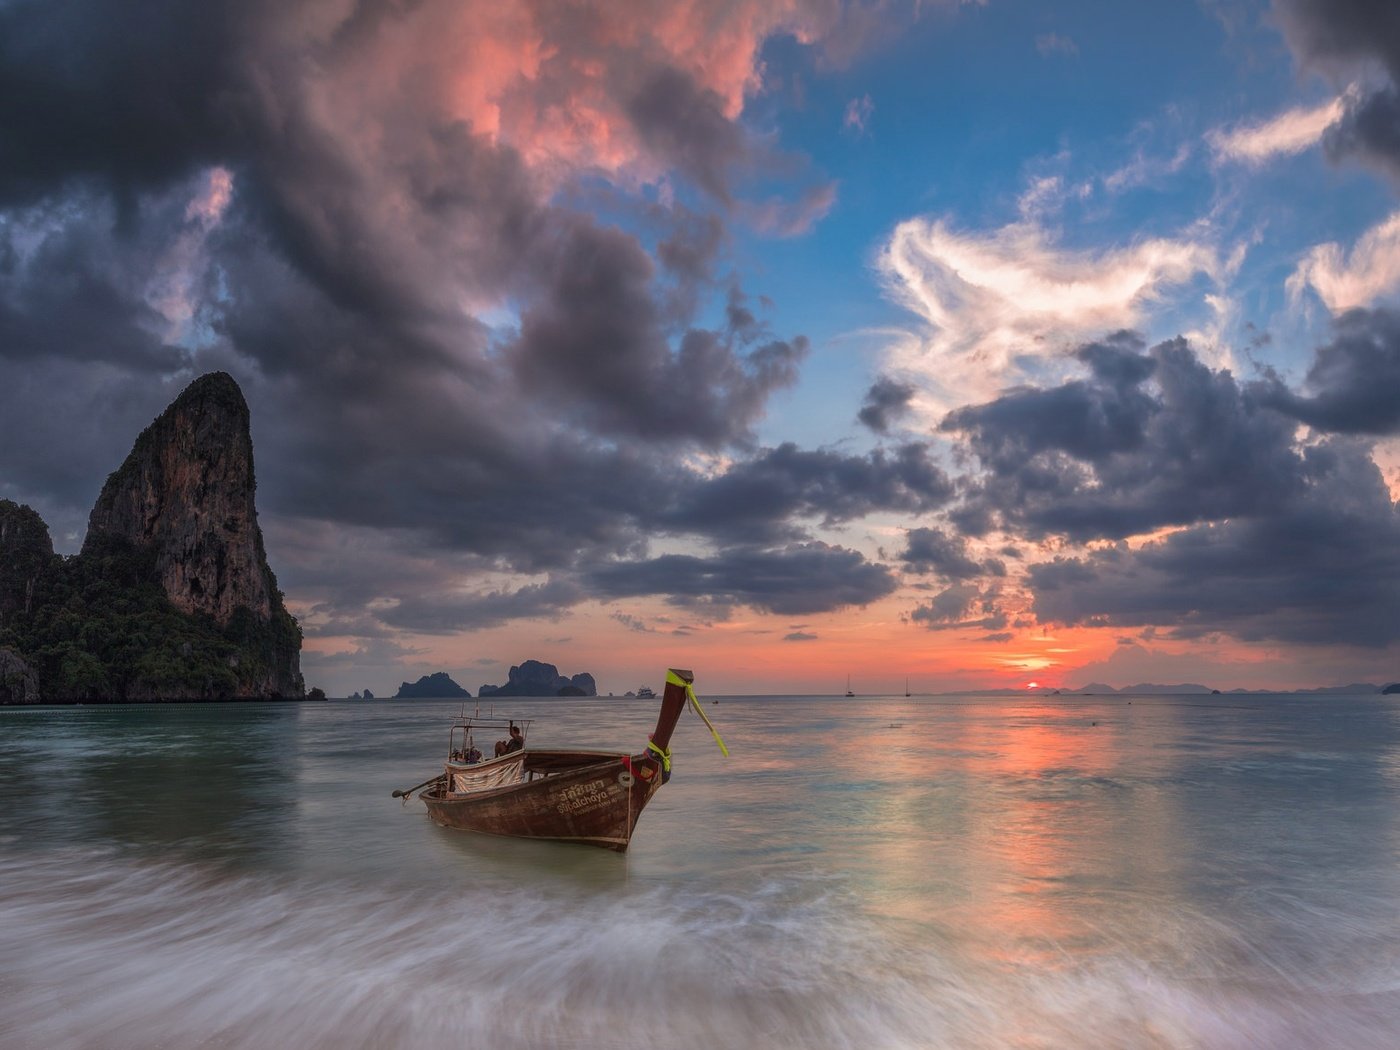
(99, 949)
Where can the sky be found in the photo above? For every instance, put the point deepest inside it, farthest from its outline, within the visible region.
(970, 345)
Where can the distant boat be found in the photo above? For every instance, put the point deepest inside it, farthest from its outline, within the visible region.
(588, 797)
(848, 686)
(645, 693)
(906, 687)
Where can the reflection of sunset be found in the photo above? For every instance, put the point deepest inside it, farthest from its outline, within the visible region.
(1012, 797)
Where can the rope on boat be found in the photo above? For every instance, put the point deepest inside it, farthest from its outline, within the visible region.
(674, 679)
(663, 753)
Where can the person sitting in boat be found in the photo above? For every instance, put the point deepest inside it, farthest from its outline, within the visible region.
(515, 743)
(473, 755)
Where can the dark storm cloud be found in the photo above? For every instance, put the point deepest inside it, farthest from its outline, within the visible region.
(1148, 440)
(1319, 569)
(885, 401)
(448, 613)
(132, 94)
(797, 579)
(685, 124)
(407, 451)
(71, 289)
(597, 343)
(1354, 379)
(1348, 37)
(952, 609)
(758, 499)
(1370, 129)
(935, 551)
(1277, 540)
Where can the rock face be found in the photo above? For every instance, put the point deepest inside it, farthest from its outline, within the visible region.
(18, 682)
(171, 597)
(26, 553)
(186, 494)
(533, 678)
(431, 686)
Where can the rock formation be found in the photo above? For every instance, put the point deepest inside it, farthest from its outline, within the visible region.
(431, 686)
(533, 678)
(26, 553)
(18, 682)
(171, 597)
(186, 493)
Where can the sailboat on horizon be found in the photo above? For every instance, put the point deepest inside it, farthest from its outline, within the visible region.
(906, 687)
(848, 686)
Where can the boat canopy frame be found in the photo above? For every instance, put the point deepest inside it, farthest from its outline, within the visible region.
(467, 725)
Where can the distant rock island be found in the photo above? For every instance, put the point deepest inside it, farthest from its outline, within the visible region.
(1145, 689)
(1189, 688)
(366, 695)
(430, 686)
(533, 678)
(171, 597)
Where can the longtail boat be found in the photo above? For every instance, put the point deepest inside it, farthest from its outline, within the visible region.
(589, 797)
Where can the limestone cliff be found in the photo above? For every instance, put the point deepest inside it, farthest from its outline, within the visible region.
(185, 497)
(534, 678)
(430, 686)
(26, 553)
(171, 597)
(186, 494)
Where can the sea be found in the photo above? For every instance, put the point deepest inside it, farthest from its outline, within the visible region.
(934, 871)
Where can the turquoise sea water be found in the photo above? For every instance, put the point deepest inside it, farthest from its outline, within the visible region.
(884, 872)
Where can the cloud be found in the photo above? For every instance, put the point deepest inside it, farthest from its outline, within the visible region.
(949, 610)
(446, 612)
(759, 499)
(800, 636)
(1315, 570)
(1289, 133)
(1148, 440)
(1354, 379)
(1000, 306)
(935, 551)
(1344, 280)
(376, 216)
(1353, 39)
(1051, 44)
(793, 580)
(1203, 509)
(858, 114)
(885, 401)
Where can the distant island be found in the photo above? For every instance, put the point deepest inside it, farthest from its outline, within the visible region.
(533, 678)
(171, 596)
(1191, 688)
(431, 687)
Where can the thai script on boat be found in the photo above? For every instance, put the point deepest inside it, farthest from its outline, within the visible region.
(583, 796)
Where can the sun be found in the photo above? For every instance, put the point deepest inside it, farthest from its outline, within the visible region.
(1032, 685)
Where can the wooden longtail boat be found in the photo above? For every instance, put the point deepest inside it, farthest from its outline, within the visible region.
(589, 797)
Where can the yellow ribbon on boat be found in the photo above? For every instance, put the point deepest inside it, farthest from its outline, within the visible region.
(663, 753)
(674, 679)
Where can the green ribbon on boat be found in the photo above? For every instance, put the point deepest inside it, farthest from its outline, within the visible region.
(674, 679)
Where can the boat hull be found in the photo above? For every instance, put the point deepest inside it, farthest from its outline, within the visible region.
(589, 798)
